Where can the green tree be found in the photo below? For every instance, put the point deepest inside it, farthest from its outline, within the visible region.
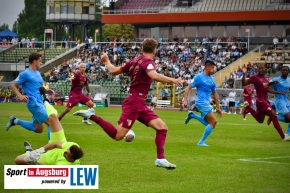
(31, 21)
(118, 30)
(4, 26)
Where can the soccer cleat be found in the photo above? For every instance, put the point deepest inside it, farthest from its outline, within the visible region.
(10, 123)
(164, 164)
(189, 116)
(269, 121)
(27, 146)
(244, 119)
(202, 144)
(287, 138)
(85, 113)
(87, 122)
(244, 104)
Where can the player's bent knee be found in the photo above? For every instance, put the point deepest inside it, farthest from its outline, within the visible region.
(53, 117)
(90, 104)
(18, 160)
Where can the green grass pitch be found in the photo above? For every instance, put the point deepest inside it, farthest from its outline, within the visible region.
(242, 156)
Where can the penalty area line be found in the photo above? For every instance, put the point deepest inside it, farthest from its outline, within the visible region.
(265, 160)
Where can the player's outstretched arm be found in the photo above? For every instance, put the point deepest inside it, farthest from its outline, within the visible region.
(112, 69)
(185, 95)
(245, 82)
(271, 90)
(161, 78)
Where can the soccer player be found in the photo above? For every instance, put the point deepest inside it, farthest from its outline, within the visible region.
(31, 81)
(261, 83)
(205, 86)
(79, 80)
(282, 103)
(142, 71)
(57, 152)
(248, 97)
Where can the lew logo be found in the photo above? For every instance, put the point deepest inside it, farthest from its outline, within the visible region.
(83, 176)
(51, 177)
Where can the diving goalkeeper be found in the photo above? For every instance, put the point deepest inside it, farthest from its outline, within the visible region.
(57, 152)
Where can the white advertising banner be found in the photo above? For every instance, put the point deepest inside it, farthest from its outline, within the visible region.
(51, 177)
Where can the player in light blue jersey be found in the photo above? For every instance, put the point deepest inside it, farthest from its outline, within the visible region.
(205, 86)
(31, 81)
(282, 103)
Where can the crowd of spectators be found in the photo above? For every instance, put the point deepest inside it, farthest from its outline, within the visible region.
(178, 58)
(273, 59)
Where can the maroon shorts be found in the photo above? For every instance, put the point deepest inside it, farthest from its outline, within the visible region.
(263, 107)
(249, 100)
(74, 99)
(135, 108)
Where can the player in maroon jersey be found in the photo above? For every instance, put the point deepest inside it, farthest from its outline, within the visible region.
(248, 96)
(262, 83)
(142, 71)
(79, 80)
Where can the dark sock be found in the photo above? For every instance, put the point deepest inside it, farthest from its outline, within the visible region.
(106, 126)
(278, 127)
(160, 141)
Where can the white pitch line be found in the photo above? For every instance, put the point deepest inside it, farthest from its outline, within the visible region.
(262, 160)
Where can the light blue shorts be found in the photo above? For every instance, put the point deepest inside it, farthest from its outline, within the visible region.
(282, 107)
(203, 109)
(38, 111)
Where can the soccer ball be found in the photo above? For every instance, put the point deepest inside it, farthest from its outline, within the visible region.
(129, 136)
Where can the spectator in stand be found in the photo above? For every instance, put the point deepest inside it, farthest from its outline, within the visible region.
(232, 101)
(285, 42)
(153, 102)
(164, 94)
(275, 42)
(63, 42)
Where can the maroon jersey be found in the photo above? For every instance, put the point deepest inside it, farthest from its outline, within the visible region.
(261, 85)
(138, 69)
(248, 91)
(78, 83)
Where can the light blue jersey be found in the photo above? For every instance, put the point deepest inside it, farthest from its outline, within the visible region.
(281, 101)
(31, 81)
(205, 85)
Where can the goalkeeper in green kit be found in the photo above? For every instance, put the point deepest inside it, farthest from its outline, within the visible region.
(57, 152)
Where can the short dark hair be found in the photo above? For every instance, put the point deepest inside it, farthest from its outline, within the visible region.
(76, 152)
(209, 62)
(285, 67)
(34, 56)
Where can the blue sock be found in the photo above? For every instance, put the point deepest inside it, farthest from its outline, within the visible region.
(26, 125)
(208, 129)
(288, 129)
(48, 133)
(281, 118)
(199, 119)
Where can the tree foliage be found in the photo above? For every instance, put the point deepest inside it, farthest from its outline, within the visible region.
(31, 21)
(3, 27)
(118, 30)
